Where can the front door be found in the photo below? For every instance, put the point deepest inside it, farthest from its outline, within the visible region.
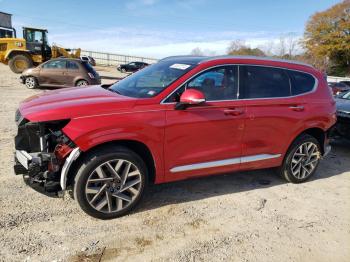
(53, 73)
(205, 139)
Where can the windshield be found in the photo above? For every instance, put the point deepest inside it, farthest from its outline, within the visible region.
(151, 80)
(346, 96)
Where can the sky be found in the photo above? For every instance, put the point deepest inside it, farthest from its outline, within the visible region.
(160, 28)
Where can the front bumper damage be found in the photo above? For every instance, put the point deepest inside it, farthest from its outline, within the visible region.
(43, 155)
(42, 181)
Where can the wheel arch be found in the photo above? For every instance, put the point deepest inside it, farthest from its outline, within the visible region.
(136, 146)
(15, 52)
(315, 132)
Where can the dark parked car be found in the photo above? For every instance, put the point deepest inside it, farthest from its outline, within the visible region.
(63, 72)
(88, 59)
(338, 88)
(345, 82)
(343, 115)
(131, 67)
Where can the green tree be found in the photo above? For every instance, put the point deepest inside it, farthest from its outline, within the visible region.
(327, 39)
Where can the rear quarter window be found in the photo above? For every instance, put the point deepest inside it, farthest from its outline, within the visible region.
(301, 82)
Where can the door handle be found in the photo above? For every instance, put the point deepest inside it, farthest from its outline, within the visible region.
(297, 108)
(233, 112)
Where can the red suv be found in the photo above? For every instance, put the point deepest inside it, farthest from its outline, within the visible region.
(181, 118)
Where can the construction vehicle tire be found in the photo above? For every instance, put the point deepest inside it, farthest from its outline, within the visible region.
(19, 63)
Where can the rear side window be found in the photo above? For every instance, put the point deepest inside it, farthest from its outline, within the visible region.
(301, 82)
(263, 82)
(72, 65)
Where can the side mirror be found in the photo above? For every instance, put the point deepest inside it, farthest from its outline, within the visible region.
(190, 97)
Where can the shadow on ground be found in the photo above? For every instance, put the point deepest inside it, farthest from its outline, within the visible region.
(200, 188)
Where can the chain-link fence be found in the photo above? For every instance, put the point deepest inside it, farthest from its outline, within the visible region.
(109, 59)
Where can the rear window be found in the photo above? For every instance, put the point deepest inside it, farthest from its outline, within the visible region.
(88, 67)
(301, 82)
(263, 82)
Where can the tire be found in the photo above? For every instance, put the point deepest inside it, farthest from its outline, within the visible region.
(31, 82)
(123, 70)
(19, 63)
(82, 83)
(110, 199)
(301, 160)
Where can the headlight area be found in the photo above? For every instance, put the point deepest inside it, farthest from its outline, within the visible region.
(41, 150)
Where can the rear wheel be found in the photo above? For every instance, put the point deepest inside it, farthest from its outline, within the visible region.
(82, 83)
(301, 160)
(31, 82)
(110, 182)
(123, 70)
(19, 63)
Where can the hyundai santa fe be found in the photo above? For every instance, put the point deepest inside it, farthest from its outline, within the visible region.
(180, 118)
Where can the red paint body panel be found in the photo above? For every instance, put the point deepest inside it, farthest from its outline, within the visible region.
(208, 132)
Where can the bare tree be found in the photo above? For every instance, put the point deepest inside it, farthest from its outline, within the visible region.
(197, 52)
(281, 46)
(235, 45)
(268, 48)
(287, 45)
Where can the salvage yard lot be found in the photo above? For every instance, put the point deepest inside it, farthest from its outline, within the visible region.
(248, 216)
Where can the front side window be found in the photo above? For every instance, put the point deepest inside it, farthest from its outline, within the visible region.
(152, 80)
(220, 83)
(301, 82)
(56, 64)
(263, 82)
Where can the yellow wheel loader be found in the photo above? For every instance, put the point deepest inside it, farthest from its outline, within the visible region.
(31, 50)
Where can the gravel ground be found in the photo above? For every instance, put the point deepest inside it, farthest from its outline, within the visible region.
(250, 216)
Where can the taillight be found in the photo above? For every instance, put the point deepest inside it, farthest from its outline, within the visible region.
(91, 75)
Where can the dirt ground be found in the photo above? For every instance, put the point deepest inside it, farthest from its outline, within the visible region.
(250, 216)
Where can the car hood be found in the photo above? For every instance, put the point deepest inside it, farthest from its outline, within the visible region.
(73, 102)
(343, 104)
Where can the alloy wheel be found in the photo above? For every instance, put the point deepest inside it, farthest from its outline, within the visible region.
(113, 186)
(82, 83)
(30, 82)
(305, 160)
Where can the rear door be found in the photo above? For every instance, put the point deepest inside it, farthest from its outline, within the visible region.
(53, 72)
(205, 139)
(274, 114)
(73, 71)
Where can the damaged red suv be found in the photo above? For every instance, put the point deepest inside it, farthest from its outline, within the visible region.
(180, 118)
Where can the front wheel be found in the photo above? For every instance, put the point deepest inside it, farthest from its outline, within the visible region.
(31, 82)
(110, 182)
(301, 160)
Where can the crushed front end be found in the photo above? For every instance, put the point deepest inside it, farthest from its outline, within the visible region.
(41, 152)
